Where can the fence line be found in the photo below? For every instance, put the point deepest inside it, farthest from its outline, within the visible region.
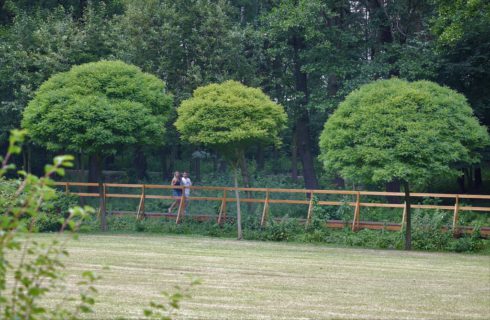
(357, 224)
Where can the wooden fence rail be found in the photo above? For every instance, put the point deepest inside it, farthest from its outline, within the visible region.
(310, 196)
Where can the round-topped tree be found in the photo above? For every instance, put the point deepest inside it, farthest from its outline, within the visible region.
(229, 117)
(99, 108)
(394, 130)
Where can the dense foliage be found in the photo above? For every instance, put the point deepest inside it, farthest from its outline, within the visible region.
(230, 117)
(306, 55)
(51, 212)
(99, 108)
(396, 130)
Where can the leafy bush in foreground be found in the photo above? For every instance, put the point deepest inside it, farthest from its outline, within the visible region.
(51, 212)
(37, 270)
(30, 270)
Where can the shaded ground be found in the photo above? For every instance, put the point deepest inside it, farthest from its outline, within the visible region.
(263, 280)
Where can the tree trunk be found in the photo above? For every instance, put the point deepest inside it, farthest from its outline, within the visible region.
(393, 186)
(139, 163)
(246, 179)
(383, 33)
(25, 160)
(238, 211)
(339, 182)
(478, 178)
(260, 158)
(333, 85)
(408, 217)
(222, 166)
(82, 4)
(29, 159)
(95, 168)
(276, 165)
(171, 161)
(95, 171)
(302, 121)
(294, 159)
(196, 170)
(215, 165)
(81, 175)
(304, 150)
(163, 162)
(469, 178)
(461, 182)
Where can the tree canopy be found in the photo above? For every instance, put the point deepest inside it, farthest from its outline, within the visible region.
(229, 117)
(97, 108)
(396, 130)
(307, 55)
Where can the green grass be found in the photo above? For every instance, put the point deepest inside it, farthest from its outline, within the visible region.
(263, 280)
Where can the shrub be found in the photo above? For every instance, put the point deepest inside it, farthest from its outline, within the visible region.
(39, 272)
(51, 213)
(472, 243)
(427, 233)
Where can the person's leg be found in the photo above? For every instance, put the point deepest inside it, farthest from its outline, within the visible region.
(172, 206)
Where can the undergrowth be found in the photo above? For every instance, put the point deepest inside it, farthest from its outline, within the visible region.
(427, 234)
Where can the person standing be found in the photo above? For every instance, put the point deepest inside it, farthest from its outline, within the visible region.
(186, 182)
(177, 192)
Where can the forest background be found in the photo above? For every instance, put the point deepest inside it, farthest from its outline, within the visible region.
(306, 55)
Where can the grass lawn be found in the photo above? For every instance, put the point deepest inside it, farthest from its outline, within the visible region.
(264, 280)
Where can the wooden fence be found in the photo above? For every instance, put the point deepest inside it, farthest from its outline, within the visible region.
(310, 195)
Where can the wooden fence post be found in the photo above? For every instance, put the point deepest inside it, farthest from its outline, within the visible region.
(222, 209)
(102, 206)
(456, 217)
(265, 211)
(310, 209)
(181, 207)
(67, 189)
(357, 210)
(141, 207)
(404, 216)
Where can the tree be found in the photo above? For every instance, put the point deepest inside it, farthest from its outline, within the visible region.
(463, 39)
(396, 130)
(186, 43)
(463, 42)
(229, 117)
(40, 43)
(99, 108)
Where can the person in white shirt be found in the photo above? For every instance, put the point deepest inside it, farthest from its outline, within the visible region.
(186, 182)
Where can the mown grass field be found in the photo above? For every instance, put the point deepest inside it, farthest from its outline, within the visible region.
(263, 280)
